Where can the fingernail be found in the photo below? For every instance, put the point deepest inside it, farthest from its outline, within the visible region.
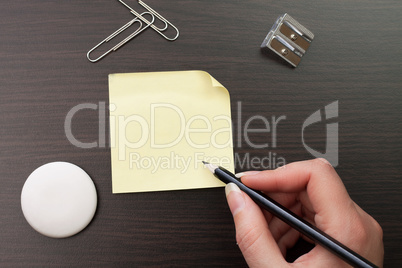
(325, 161)
(231, 187)
(241, 174)
(235, 198)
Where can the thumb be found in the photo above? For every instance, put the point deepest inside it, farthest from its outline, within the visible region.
(253, 237)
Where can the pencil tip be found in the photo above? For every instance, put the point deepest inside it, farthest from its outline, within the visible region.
(211, 167)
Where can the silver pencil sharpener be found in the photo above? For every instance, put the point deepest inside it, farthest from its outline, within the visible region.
(288, 39)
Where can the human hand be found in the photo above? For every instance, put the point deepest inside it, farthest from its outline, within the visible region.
(313, 190)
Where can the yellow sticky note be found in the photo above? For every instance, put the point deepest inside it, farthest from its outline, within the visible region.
(162, 125)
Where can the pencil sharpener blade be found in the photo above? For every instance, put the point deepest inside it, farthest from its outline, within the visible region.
(288, 39)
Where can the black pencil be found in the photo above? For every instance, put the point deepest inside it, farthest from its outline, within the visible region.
(293, 220)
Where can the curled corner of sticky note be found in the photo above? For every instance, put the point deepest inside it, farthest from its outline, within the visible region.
(214, 82)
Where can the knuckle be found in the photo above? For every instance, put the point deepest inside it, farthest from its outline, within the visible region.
(379, 229)
(361, 235)
(366, 231)
(246, 240)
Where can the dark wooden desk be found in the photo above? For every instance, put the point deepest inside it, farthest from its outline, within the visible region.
(355, 59)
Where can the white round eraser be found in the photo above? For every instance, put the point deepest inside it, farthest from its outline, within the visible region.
(59, 199)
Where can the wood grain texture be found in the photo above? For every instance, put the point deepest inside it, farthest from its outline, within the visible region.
(355, 59)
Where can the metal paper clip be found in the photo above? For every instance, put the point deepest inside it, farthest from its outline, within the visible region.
(140, 18)
(119, 31)
(288, 39)
(156, 14)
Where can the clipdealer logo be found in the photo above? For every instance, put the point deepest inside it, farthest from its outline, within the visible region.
(242, 161)
(331, 147)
